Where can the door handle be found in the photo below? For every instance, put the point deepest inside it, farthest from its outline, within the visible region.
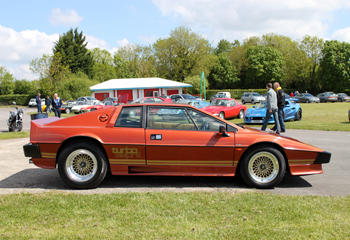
(156, 136)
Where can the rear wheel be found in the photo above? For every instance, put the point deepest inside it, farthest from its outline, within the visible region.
(243, 102)
(222, 115)
(307, 101)
(82, 165)
(67, 110)
(298, 115)
(263, 167)
(340, 100)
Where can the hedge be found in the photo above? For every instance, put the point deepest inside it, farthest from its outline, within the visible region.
(20, 99)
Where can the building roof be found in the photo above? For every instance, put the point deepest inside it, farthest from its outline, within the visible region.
(137, 83)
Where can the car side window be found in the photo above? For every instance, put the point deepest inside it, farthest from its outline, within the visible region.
(147, 100)
(204, 122)
(232, 103)
(129, 117)
(169, 118)
(158, 100)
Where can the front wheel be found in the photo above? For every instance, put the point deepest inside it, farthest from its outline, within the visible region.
(340, 100)
(82, 165)
(263, 167)
(307, 101)
(67, 110)
(19, 126)
(241, 113)
(253, 102)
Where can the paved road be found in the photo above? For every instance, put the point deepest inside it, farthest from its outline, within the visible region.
(17, 175)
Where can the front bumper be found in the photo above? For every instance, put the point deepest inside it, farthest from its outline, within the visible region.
(323, 157)
(32, 150)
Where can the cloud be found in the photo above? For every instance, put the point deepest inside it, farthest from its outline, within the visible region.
(68, 18)
(342, 35)
(241, 19)
(94, 42)
(148, 40)
(123, 42)
(23, 72)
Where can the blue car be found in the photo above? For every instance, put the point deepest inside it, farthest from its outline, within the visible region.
(291, 111)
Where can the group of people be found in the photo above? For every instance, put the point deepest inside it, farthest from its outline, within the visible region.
(275, 105)
(56, 103)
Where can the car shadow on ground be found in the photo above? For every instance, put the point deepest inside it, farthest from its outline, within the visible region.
(50, 180)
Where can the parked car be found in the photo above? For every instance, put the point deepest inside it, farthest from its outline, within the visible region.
(257, 114)
(177, 97)
(86, 99)
(225, 108)
(152, 99)
(98, 106)
(67, 106)
(216, 96)
(77, 108)
(288, 97)
(32, 102)
(85, 147)
(195, 103)
(328, 97)
(226, 94)
(306, 98)
(114, 100)
(343, 97)
(251, 97)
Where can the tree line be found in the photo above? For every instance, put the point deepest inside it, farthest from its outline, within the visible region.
(311, 64)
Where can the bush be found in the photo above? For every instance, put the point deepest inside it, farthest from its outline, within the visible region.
(20, 99)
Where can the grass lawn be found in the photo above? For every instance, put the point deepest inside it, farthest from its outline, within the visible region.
(11, 135)
(316, 116)
(198, 215)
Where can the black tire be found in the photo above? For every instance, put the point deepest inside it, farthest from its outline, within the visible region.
(82, 165)
(263, 167)
(340, 100)
(307, 101)
(19, 126)
(253, 102)
(67, 110)
(243, 102)
(222, 115)
(298, 115)
(241, 114)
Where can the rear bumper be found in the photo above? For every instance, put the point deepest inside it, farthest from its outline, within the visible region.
(32, 150)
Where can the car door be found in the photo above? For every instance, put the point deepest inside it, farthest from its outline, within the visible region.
(186, 137)
(289, 109)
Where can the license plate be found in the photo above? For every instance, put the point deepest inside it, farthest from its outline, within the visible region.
(257, 121)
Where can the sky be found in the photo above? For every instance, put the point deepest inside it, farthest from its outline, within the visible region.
(29, 28)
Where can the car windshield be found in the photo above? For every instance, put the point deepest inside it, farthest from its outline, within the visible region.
(187, 96)
(308, 95)
(219, 102)
(256, 95)
(262, 104)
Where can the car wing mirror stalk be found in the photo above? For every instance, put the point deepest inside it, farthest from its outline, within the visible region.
(222, 130)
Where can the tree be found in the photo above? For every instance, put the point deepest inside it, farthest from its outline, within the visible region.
(6, 82)
(265, 64)
(195, 82)
(24, 87)
(224, 46)
(51, 71)
(222, 75)
(103, 68)
(180, 54)
(75, 55)
(335, 66)
(76, 85)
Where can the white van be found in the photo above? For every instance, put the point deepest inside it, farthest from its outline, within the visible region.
(228, 94)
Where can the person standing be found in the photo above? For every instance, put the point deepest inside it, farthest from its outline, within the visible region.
(38, 103)
(56, 105)
(280, 105)
(48, 103)
(271, 108)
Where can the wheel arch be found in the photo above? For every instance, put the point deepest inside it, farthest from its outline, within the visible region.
(81, 139)
(261, 144)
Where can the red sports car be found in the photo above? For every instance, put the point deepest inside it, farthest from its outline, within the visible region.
(225, 108)
(153, 100)
(165, 140)
(96, 107)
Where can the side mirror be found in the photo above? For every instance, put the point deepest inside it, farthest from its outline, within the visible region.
(222, 130)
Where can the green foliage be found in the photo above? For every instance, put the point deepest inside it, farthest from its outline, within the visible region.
(195, 82)
(265, 64)
(72, 48)
(225, 46)
(24, 87)
(6, 82)
(335, 65)
(76, 86)
(20, 99)
(103, 68)
(222, 74)
(178, 55)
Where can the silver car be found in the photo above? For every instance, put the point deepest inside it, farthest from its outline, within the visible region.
(252, 97)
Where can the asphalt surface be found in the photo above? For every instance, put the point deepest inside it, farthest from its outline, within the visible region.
(17, 175)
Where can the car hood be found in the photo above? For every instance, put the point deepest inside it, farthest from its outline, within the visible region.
(214, 109)
(256, 111)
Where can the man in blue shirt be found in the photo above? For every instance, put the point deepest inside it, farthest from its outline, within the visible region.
(56, 105)
(38, 103)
